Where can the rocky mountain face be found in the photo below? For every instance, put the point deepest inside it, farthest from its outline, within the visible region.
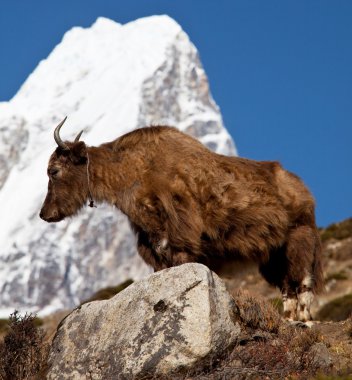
(108, 79)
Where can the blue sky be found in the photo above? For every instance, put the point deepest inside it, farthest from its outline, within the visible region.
(281, 72)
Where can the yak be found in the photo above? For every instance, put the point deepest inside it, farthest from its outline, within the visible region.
(186, 203)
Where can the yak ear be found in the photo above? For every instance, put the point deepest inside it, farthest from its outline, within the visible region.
(78, 153)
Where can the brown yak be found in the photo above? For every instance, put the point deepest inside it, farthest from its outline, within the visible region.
(188, 204)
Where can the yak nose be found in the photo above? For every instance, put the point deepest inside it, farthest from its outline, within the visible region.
(52, 217)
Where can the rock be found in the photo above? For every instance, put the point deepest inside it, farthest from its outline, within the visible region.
(320, 357)
(171, 321)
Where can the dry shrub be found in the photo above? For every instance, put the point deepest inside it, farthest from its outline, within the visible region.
(23, 353)
(263, 356)
(302, 339)
(257, 313)
(284, 355)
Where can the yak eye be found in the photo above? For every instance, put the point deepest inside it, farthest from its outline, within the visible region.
(53, 171)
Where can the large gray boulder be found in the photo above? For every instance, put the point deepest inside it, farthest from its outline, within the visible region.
(169, 322)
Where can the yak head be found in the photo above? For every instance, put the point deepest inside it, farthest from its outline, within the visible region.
(68, 181)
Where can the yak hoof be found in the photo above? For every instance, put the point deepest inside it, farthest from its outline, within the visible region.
(300, 324)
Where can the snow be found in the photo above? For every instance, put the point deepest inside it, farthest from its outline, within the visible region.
(108, 79)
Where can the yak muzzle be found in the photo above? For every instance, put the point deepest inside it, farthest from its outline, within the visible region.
(51, 217)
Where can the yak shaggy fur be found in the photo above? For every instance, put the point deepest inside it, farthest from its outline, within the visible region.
(188, 204)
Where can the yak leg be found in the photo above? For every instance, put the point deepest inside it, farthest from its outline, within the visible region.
(153, 258)
(150, 258)
(160, 244)
(292, 268)
(157, 252)
(276, 272)
(304, 273)
(181, 257)
(305, 299)
(149, 254)
(290, 302)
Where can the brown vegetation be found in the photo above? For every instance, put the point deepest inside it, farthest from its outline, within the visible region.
(23, 351)
(337, 231)
(106, 293)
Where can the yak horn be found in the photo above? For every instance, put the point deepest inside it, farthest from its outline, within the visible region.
(78, 136)
(57, 138)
